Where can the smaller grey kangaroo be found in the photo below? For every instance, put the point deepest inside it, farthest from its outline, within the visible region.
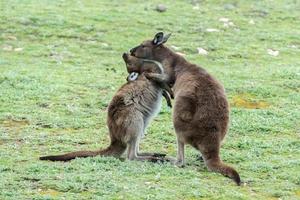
(130, 112)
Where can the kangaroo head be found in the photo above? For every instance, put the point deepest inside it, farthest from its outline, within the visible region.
(152, 49)
(133, 64)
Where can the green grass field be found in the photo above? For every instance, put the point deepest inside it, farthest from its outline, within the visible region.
(60, 65)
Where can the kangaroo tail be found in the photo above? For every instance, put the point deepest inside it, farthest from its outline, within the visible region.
(217, 165)
(115, 149)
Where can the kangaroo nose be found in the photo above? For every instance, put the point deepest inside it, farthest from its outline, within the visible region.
(125, 56)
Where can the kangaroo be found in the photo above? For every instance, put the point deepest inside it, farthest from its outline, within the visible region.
(201, 110)
(129, 113)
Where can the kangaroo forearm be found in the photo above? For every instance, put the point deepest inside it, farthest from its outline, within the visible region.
(167, 97)
(167, 88)
(159, 78)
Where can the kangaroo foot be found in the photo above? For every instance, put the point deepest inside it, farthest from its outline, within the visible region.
(179, 163)
(199, 158)
(160, 155)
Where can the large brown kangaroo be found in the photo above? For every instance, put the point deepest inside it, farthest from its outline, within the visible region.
(129, 113)
(201, 111)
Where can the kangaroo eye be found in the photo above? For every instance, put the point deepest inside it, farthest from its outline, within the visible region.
(143, 46)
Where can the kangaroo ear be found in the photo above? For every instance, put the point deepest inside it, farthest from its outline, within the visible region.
(166, 37)
(158, 38)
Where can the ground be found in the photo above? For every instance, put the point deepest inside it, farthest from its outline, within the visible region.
(60, 65)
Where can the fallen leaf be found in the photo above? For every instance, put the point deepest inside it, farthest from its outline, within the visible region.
(223, 19)
(11, 37)
(161, 8)
(293, 46)
(273, 52)
(251, 21)
(18, 49)
(196, 7)
(181, 54)
(202, 51)
(230, 23)
(212, 30)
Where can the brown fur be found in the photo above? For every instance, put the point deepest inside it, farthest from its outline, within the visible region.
(201, 111)
(129, 113)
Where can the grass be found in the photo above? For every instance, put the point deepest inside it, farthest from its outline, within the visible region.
(60, 64)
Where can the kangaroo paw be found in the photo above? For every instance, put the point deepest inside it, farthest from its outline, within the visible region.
(199, 158)
(160, 155)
